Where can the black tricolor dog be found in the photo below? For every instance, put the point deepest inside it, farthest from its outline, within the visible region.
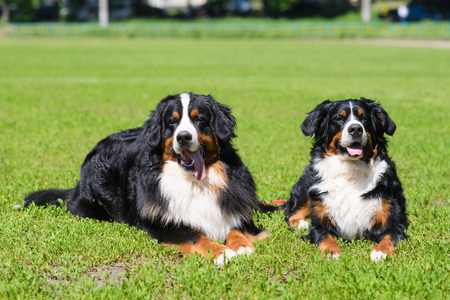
(350, 189)
(177, 177)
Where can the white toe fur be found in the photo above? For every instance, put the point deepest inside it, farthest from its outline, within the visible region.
(225, 257)
(302, 224)
(377, 255)
(335, 256)
(244, 250)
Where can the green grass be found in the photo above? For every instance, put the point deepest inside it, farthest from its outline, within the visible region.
(58, 97)
(236, 28)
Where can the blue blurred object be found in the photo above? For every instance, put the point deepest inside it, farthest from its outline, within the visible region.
(419, 13)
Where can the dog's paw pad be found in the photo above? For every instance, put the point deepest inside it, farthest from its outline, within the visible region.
(244, 250)
(377, 255)
(224, 257)
(302, 224)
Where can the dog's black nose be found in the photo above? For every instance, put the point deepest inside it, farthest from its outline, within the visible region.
(184, 138)
(355, 130)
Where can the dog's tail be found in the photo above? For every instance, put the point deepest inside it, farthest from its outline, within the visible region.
(49, 197)
(268, 207)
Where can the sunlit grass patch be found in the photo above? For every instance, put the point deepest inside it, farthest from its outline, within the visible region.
(59, 97)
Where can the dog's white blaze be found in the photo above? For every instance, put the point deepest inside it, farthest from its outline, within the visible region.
(194, 203)
(347, 139)
(186, 125)
(345, 181)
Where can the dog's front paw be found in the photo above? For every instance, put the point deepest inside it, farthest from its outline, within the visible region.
(333, 256)
(224, 257)
(302, 224)
(244, 250)
(377, 255)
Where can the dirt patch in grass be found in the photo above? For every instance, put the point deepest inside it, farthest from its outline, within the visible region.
(111, 275)
(106, 275)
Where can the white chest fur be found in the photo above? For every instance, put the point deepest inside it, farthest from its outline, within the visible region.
(345, 181)
(196, 203)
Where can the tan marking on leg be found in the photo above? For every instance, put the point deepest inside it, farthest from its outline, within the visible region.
(301, 214)
(385, 245)
(236, 240)
(381, 216)
(259, 237)
(329, 246)
(205, 247)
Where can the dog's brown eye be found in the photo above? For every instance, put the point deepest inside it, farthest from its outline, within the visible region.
(363, 118)
(340, 119)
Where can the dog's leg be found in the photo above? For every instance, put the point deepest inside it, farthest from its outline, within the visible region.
(329, 247)
(298, 219)
(298, 206)
(385, 247)
(242, 242)
(241, 239)
(388, 235)
(86, 206)
(208, 248)
(239, 243)
(324, 241)
(187, 240)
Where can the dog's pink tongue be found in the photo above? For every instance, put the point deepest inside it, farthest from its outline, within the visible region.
(199, 165)
(355, 150)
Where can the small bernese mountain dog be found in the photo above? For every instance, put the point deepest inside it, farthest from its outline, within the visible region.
(350, 189)
(177, 177)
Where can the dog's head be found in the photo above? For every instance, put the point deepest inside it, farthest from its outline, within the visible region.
(350, 128)
(189, 129)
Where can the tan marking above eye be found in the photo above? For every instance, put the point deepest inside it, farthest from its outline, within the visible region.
(194, 113)
(343, 113)
(176, 115)
(360, 112)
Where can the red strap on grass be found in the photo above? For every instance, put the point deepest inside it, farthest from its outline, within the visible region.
(275, 202)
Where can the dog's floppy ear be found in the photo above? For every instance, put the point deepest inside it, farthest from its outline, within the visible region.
(153, 127)
(224, 121)
(381, 117)
(315, 117)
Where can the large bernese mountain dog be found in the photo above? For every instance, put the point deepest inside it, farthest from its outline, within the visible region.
(177, 177)
(350, 189)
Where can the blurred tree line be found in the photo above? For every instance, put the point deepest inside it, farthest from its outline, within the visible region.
(54, 10)
(285, 8)
(307, 8)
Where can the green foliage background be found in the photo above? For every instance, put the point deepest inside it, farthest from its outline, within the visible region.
(58, 97)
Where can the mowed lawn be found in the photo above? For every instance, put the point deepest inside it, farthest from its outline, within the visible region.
(59, 97)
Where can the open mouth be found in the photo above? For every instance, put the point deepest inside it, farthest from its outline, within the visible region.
(193, 162)
(352, 150)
